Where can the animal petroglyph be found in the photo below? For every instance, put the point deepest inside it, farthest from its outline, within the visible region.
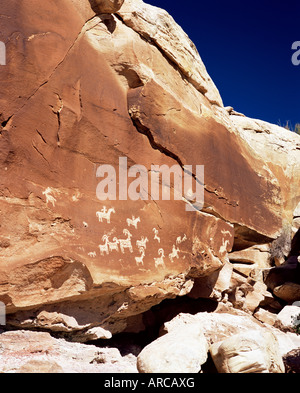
(142, 243)
(140, 260)
(49, 198)
(104, 247)
(133, 221)
(92, 254)
(105, 214)
(174, 254)
(159, 262)
(224, 246)
(126, 243)
(180, 239)
(156, 237)
(114, 246)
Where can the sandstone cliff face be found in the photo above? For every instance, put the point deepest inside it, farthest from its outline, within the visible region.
(87, 83)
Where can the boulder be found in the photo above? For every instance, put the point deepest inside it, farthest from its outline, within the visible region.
(288, 318)
(258, 255)
(38, 352)
(266, 316)
(250, 352)
(289, 292)
(292, 362)
(270, 141)
(288, 272)
(106, 6)
(180, 351)
(218, 326)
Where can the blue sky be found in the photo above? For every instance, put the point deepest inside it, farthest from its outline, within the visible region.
(246, 47)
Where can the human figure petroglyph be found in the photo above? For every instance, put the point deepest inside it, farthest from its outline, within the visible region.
(126, 243)
(142, 243)
(133, 221)
(156, 237)
(105, 214)
(159, 262)
(174, 254)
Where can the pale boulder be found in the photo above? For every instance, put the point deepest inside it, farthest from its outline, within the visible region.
(266, 316)
(250, 352)
(257, 296)
(288, 317)
(217, 327)
(183, 350)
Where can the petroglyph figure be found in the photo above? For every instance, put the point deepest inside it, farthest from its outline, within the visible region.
(156, 235)
(140, 260)
(115, 245)
(105, 214)
(104, 247)
(126, 243)
(133, 221)
(174, 254)
(180, 240)
(92, 254)
(49, 198)
(142, 243)
(224, 246)
(159, 262)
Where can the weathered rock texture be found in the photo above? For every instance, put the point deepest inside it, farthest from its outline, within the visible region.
(181, 351)
(87, 83)
(38, 352)
(252, 352)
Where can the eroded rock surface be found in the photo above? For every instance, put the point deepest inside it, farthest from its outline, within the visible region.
(88, 83)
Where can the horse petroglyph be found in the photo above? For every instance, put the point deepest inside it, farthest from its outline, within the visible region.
(142, 243)
(105, 214)
(133, 221)
(174, 254)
